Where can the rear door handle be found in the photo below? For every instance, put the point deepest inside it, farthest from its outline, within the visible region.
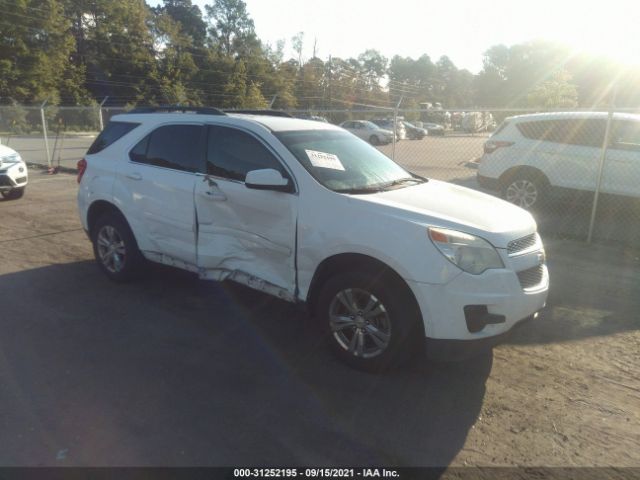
(134, 176)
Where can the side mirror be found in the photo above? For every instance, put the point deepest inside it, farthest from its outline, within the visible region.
(267, 179)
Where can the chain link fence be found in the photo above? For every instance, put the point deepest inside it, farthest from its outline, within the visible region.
(578, 172)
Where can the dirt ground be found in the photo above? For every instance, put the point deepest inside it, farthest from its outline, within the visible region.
(177, 371)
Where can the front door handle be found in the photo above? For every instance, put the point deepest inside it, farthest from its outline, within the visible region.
(134, 176)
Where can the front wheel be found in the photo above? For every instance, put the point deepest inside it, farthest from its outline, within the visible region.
(370, 320)
(373, 140)
(14, 194)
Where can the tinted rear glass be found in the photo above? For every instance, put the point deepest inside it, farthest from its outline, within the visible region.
(113, 132)
(587, 132)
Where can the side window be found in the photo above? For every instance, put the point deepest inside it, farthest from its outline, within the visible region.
(113, 132)
(233, 153)
(358, 125)
(586, 132)
(625, 135)
(178, 147)
(348, 125)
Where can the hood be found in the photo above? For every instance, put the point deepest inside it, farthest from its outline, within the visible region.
(4, 151)
(451, 206)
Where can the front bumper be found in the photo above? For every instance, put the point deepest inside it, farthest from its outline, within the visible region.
(13, 175)
(500, 291)
(457, 350)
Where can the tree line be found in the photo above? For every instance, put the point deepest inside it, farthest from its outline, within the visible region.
(77, 52)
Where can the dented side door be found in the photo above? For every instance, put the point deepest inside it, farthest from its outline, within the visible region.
(244, 230)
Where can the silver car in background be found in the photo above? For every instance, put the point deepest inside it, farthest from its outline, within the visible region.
(368, 131)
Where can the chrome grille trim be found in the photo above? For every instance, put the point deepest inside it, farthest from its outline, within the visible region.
(520, 245)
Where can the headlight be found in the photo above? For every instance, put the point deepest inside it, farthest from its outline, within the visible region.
(470, 253)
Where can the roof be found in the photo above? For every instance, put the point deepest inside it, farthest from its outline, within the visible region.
(574, 115)
(274, 123)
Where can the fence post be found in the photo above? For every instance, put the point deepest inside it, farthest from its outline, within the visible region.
(603, 157)
(44, 131)
(100, 121)
(395, 128)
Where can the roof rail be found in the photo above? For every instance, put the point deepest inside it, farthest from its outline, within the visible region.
(178, 108)
(271, 113)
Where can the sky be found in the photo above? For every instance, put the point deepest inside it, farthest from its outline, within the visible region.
(460, 29)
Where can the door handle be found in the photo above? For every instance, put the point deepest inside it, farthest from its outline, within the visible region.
(134, 176)
(216, 195)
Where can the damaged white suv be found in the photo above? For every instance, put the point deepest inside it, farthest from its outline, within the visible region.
(387, 261)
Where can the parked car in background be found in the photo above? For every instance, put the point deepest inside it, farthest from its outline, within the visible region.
(433, 128)
(368, 131)
(13, 174)
(414, 132)
(391, 264)
(387, 124)
(531, 158)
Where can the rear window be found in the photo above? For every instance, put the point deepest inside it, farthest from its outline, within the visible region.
(113, 132)
(586, 132)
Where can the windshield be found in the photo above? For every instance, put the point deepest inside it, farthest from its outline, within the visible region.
(342, 162)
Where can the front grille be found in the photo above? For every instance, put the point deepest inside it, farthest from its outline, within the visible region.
(5, 182)
(522, 244)
(21, 180)
(531, 277)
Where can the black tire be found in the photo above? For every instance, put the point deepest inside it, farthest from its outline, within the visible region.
(130, 260)
(399, 310)
(373, 140)
(14, 194)
(526, 189)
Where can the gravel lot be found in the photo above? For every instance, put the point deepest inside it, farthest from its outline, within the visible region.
(172, 370)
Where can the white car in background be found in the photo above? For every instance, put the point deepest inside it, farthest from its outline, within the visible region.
(386, 260)
(531, 158)
(368, 131)
(13, 174)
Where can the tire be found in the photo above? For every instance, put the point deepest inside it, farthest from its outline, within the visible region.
(14, 194)
(528, 190)
(385, 337)
(373, 140)
(115, 248)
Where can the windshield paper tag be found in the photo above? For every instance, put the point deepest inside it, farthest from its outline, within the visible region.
(324, 160)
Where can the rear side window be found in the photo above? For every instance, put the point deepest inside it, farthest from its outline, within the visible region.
(179, 147)
(233, 153)
(587, 132)
(625, 135)
(113, 132)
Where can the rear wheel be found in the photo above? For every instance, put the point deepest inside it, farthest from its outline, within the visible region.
(527, 190)
(115, 248)
(14, 194)
(370, 320)
(373, 140)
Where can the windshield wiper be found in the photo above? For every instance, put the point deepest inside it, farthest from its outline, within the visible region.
(360, 190)
(401, 181)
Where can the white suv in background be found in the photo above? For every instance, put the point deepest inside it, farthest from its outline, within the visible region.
(532, 157)
(307, 212)
(13, 174)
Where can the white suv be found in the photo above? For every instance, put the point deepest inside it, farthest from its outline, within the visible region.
(13, 174)
(532, 157)
(307, 212)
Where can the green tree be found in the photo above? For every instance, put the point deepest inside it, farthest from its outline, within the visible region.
(555, 92)
(231, 25)
(35, 47)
